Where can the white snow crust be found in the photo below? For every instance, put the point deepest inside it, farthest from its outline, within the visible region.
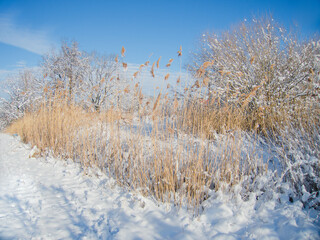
(48, 198)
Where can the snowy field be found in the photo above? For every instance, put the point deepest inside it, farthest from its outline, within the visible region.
(49, 198)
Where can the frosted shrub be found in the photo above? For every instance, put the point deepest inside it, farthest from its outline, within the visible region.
(260, 66)
(24, 92)
(266, 80)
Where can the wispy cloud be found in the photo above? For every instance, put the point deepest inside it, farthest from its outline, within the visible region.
(21, 64)
(36, 41)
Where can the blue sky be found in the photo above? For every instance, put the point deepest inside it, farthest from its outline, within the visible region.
(147, 29)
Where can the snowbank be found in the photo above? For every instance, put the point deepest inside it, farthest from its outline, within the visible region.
(49, 198)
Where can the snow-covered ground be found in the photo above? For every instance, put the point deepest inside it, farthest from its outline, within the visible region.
(48, 198)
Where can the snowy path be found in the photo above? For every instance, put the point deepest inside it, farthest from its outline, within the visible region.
(53, 199)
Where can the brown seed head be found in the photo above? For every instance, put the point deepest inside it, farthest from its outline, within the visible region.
(125, 66)
(156, 102)
(206, 81)
(123, 50)
(136, 74)
(126, 90)
(152, 70)
(207, 64)
(252, 59)
(180, 51)
(158, 62)
(169, 63)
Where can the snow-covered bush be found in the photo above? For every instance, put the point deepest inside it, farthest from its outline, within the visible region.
(300, 157)
(261, 67)
(260, 77)
(24, 90)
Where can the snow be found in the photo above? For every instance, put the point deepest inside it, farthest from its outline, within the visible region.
(47, 198)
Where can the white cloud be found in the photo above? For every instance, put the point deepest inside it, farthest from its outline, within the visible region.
(36, 41)
(21, 64)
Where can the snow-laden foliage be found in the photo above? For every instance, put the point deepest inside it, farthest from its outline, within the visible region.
(66, 68)
(24, 91)
(260, 58)
(300, 157)
(270, 79)
(87, 79)
(101, 78)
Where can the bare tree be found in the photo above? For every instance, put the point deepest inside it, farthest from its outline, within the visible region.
(87, 79)
(100, 79)
(66, 68)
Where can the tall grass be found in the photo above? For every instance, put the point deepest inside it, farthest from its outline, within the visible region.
(146, 150)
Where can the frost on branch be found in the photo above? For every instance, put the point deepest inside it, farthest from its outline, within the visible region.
(260, 54)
